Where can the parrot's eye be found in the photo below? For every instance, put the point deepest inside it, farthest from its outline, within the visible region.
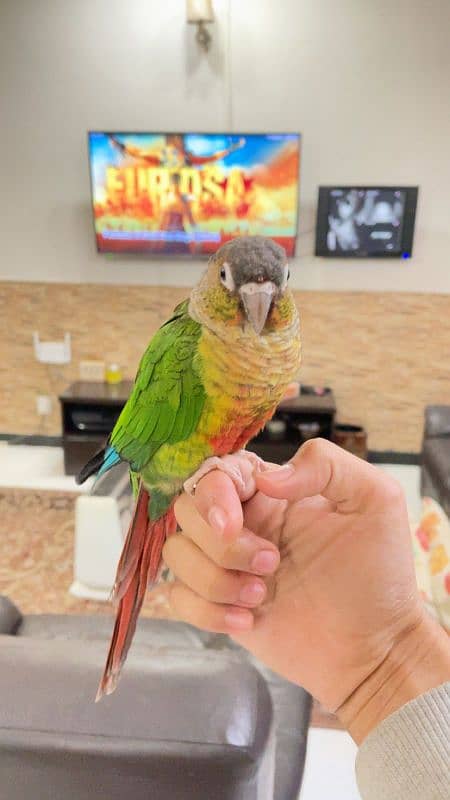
(226, 277)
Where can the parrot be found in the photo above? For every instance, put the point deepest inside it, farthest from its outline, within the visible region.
(209, 380)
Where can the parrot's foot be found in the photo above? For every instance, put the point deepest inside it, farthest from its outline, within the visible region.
(227, 464)
(257, 463)
(230, 468)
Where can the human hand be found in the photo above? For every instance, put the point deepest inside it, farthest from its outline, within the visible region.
(332, 602)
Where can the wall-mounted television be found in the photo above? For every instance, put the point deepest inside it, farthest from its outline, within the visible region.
(188, 193)
(366, 221)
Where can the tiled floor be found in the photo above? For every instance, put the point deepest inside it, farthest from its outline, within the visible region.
(329, 769)
(329, 772)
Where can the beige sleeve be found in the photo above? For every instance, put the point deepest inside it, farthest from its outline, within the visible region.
(407, 756)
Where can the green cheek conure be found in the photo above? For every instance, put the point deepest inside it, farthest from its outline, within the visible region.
(209, 380)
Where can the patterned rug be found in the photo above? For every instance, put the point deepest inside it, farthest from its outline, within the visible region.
(36, 553)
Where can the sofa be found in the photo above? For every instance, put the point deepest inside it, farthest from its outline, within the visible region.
(194, 716)
(435, 461)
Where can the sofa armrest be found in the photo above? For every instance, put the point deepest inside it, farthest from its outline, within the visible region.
(437, 421)
(182, 725)
(10, 616)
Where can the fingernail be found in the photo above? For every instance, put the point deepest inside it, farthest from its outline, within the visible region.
(217, 519)
(239, 619)
(280, 474)
(252, 593)
(266, 561)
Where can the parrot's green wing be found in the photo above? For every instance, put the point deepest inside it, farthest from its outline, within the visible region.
(168, 395)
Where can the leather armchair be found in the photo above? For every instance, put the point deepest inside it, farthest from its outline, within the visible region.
(435, 469)
(194, 716)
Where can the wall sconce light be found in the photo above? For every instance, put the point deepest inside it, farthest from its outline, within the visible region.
(201, 13)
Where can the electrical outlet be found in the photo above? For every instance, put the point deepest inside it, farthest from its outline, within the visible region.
(92, 370)
(43, 405)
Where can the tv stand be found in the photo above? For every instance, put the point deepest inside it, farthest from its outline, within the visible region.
(89, 412)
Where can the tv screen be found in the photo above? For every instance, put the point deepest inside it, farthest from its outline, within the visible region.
(366, 221)
(188, 193)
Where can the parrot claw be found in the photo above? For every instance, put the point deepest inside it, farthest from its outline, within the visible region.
(228, 465)
(230, 469)
(257, 463)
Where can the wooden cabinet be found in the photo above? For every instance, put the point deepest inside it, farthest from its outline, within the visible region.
(89, 412)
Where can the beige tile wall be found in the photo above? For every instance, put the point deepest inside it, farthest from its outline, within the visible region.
(385, 355)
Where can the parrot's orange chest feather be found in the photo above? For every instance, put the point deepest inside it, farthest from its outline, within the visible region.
(235, 438)
(245, 377)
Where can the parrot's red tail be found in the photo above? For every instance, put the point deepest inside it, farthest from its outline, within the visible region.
(138, 567)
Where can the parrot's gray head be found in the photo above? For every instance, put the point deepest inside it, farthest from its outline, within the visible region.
(254, 270)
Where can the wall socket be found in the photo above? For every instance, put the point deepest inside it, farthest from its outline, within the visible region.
(92, 370)
(44, 405)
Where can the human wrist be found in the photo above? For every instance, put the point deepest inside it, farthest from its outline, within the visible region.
(419, 660)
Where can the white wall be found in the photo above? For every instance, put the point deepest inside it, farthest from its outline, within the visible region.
(365, 81)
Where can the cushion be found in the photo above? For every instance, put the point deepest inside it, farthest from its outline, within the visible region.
(431, 541)
(154, 632)
(437, 421)
(183, 724)
(436, 458)
(10, 616)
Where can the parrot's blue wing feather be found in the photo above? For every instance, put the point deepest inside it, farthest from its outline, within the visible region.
(111, 458)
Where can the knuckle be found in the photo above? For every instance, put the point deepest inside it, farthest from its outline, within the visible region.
(227, 559)
(212, 587)
(235, 558)
(315, 447)
(217, 587)
(390, 490)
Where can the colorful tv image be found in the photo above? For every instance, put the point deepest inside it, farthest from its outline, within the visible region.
(189, 193)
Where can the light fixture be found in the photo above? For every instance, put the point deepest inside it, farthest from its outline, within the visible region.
(201, 13)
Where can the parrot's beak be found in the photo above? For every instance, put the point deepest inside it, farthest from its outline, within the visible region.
(257, 299)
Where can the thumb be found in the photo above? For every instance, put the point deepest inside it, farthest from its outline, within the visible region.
(322, 468)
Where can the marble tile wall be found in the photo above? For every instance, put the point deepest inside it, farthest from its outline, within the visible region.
(384, 354)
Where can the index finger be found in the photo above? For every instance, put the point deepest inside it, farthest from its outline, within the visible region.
(218, 503)
(236, 549)
(220, 493)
